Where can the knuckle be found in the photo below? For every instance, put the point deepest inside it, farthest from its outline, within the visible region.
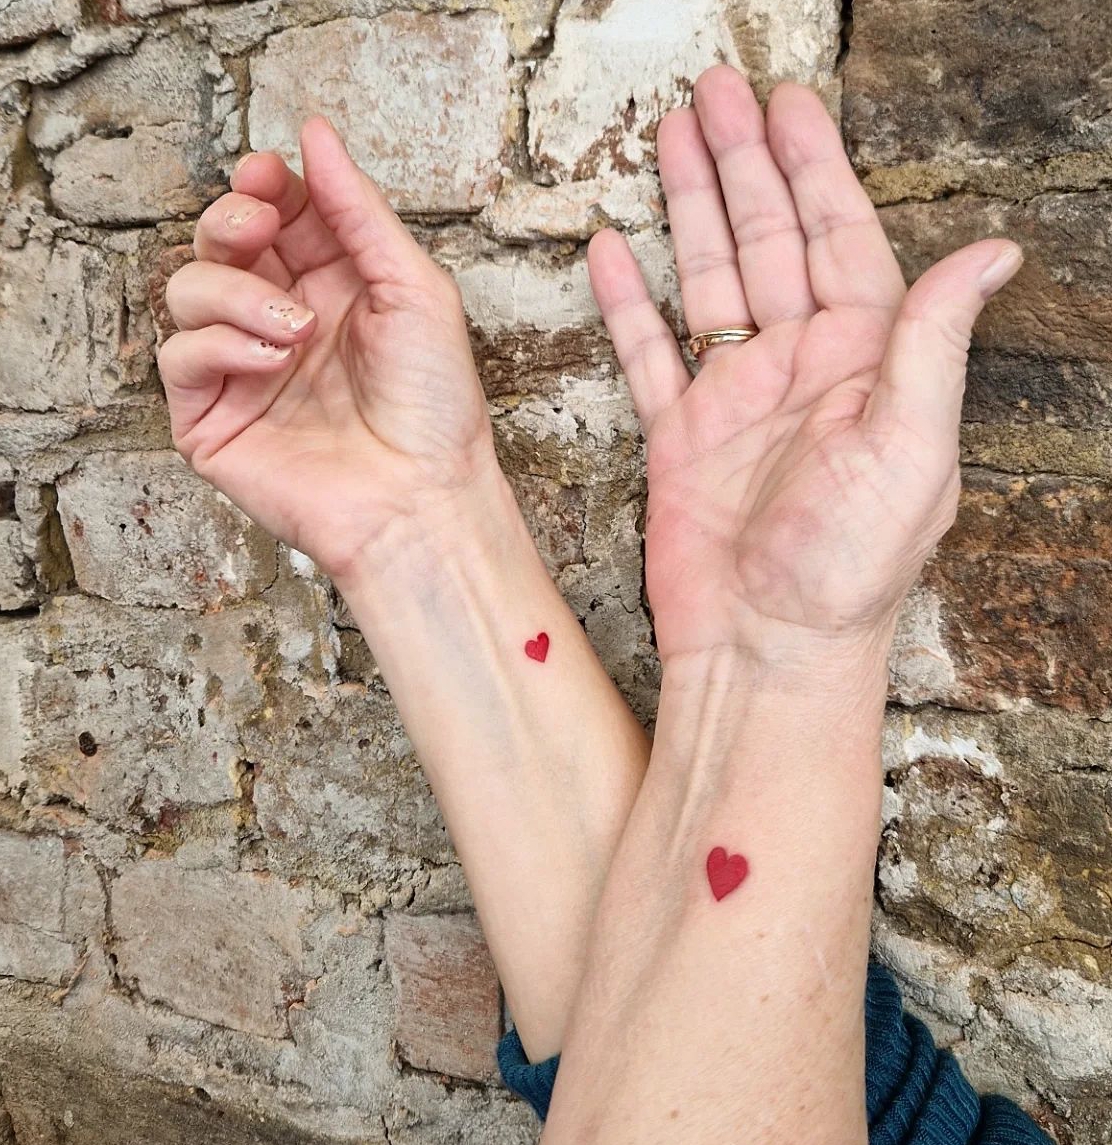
(177, 284)
(167, 353)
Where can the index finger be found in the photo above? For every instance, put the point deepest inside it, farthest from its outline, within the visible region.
(303, 241)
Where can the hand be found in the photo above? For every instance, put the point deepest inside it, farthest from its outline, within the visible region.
(799, 482)
(323, 379)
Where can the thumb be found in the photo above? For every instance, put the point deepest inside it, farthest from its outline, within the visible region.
(922, 379)
(351, 205)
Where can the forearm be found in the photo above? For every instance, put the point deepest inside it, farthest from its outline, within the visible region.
(709, 1019)
(534, 763)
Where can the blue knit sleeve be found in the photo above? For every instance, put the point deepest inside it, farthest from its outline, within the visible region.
(915, 1093)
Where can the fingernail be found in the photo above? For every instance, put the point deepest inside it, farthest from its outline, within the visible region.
(998, 272)
(272, 352)
(238, 217)
(289, 315)
(242, 162)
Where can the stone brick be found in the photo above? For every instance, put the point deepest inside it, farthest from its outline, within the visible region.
(432, 135)
(1040, 369)
(920, 668)
(997, 835)
(13, 111)
(156, 116)
(507, 291)
(17, 582)
(1065, 1020)
(339, 795)
(184, 544)
(575, 210)
(56, 59)
(1059, 305)
(579, 128)
(47, 364)
(555, 516)
(1025, 581)
(23, 20)
(1017, 390)
(449, 1011)
(919, 87)
(168, 263)
(131, 716)
(33, 945)
(211, 944)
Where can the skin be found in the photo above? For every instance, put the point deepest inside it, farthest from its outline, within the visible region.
(366, 444)
(795, 488)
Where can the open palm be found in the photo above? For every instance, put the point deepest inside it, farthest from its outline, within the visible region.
(798, 483)
(329, 429)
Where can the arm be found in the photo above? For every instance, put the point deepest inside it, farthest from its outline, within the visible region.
(534, 764)
(796, 486)
(746, 1011)
(323, 381)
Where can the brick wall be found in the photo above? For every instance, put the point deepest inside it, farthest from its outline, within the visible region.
(228, 908)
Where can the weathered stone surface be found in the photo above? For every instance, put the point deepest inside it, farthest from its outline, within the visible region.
(17, 584)
(169, 262)
(1025, 581)
(211, 944)
(1037, 389)
(23, 20)
(137, 139)
(53, 60)
(340, 797)
(574, 210)
(139, 8)
(33, 945)
(789, 40)
(432, 135)
(555, 516)
(920, 668)
(13, 111)
(47, 364)
(448, 999)
(1060, 303)
(998, 836)
(131, 716)
(187, 545)
(919, 87)
(579, 128)
(504, 291)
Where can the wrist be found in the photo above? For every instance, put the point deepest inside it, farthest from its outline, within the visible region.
(815, 667)
(469, 523)
(727, 711)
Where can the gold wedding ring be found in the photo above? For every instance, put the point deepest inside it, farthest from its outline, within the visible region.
(697, 343)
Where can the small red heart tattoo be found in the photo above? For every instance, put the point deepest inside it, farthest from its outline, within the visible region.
(725, 872)
(537, 649)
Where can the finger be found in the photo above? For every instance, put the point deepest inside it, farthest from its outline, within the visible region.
(238, 230)
(923, 375)
(849, 258)
(194, 364)
(204, 293)
(771, 247)
(355, 210)
(706, 257)
(303, 241)
(646, 348)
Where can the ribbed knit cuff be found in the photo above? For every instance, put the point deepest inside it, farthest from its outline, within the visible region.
(915, 1094)
(532, 1082)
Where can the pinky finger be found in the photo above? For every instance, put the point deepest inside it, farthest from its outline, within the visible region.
(643, 341)
(195, 363)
